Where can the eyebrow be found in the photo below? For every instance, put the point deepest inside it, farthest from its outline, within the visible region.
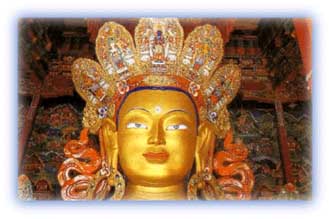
(145, 110)
(177, 110)
(139, 108)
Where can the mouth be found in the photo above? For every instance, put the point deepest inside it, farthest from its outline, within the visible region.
(156, 156)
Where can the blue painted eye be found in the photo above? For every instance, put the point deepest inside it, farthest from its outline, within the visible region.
(176, 127)
(135, 125)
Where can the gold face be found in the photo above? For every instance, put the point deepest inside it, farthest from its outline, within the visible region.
(157, 134)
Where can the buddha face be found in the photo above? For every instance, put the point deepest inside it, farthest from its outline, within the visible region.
(157, 133)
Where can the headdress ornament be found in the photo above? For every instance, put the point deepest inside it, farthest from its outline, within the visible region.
(158, 58)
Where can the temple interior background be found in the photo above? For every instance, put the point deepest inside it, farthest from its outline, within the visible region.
(271, 114)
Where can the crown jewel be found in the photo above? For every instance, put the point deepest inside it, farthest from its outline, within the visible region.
(158, 58)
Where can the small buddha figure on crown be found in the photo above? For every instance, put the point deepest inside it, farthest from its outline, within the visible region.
(156, 130)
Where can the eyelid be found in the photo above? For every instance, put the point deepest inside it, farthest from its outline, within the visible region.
(136, 125)
(176, 127)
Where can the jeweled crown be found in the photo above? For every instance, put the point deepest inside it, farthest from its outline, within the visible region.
(158, 58)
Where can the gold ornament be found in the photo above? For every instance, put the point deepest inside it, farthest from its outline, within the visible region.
(157, 108)
(159, 59)
(206, 183)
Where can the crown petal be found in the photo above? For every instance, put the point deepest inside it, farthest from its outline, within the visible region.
(156, 61)
(202, 52)
(158, 43)
(222, 124)
(223, 86)
(91, 119)
(91, 82)
(115, 51)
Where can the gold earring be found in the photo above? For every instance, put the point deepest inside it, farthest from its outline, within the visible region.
(206, 183)
(105, 180)
(117, 181)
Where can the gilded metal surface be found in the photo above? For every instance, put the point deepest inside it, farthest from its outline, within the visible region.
(157, 113)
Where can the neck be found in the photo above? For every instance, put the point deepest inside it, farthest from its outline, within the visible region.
(139, 192)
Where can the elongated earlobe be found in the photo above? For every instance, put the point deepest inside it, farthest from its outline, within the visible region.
(205, 147)
(108, 143)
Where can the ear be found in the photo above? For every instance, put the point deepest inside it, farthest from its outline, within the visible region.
(205, 147)
(109, 143)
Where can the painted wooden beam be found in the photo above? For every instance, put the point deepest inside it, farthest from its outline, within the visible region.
(26, 131)
(303, 29)
(284, 149)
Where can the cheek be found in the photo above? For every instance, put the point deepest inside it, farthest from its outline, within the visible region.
(181, 146)
(131, 140)
(131, 145)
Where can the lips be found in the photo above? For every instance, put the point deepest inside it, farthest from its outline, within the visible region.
(156, 156)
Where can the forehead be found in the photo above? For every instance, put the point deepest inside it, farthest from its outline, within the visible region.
(153, 100)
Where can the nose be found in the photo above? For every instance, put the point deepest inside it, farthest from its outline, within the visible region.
(157, 134)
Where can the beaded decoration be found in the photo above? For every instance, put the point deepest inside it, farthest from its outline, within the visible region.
(159, 58)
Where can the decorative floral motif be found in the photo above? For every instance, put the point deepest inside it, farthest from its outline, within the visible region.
(230, 162)
(194, 88)
(52, 128)
(201, 54)
(103, 112)
(158, 44)
(156, 61)
(94, 179)
(25, 191)
(122, 86)
(213, 116)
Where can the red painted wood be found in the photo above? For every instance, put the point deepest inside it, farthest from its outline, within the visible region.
(27, 127)
(284, 149)
(303, 28)
(226, 27)
(253, 85)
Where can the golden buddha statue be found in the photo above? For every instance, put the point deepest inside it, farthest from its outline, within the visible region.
(157, 118)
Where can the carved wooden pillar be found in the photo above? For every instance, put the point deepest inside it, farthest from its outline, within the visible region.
(226, 28)
(303, 28)
(26, 131)
(93, 26)
(284, 149)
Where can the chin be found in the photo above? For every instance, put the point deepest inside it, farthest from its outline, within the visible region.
(155, 179)
(159, 182)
